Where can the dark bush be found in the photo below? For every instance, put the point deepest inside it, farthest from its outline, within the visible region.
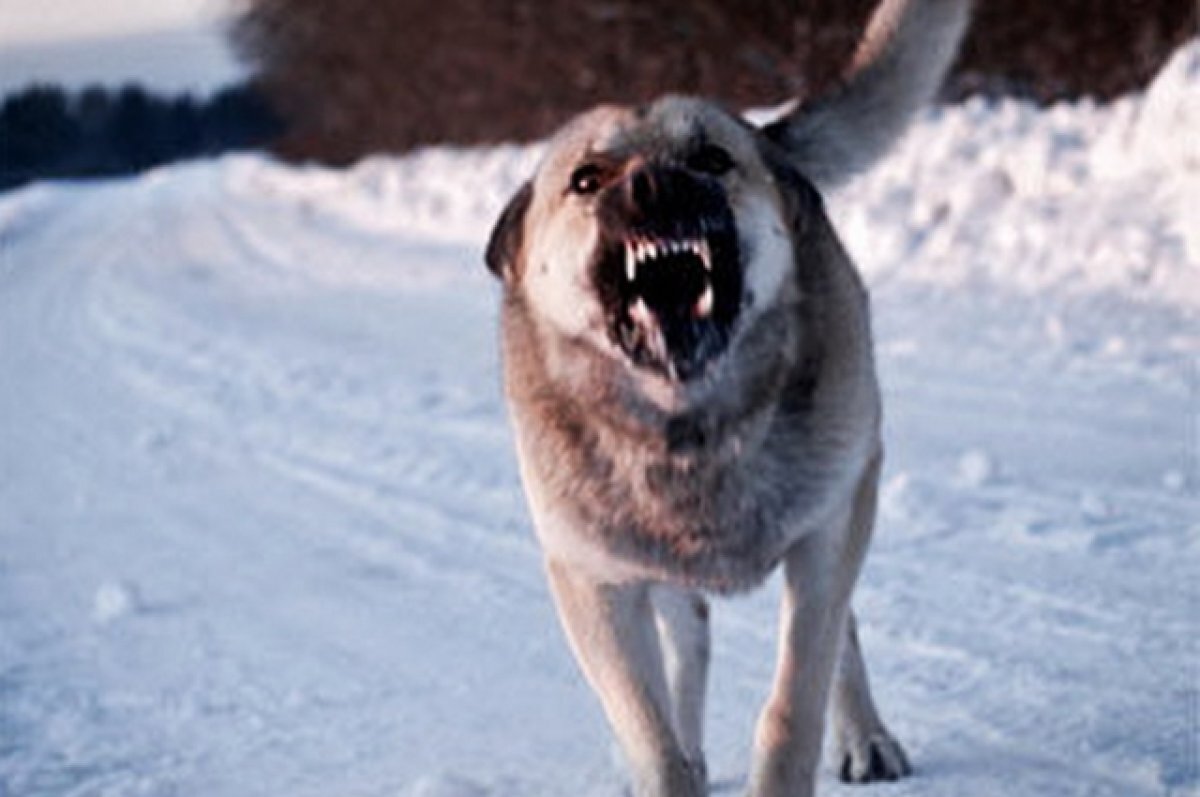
(1066, 49)
(356, 76)
(359, 76)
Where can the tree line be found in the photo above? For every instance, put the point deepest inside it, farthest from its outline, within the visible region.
(336, 80)
(46, 131)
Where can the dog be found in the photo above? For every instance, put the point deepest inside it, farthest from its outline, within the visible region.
(689, 371)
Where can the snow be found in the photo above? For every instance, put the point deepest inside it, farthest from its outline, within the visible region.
(114, 600)
(261, 531)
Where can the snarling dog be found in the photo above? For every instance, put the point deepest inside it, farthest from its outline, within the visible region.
(687, 358)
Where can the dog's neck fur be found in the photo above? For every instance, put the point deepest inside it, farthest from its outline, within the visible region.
(703, 487)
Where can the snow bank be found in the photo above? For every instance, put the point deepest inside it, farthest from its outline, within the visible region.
(1077, 198)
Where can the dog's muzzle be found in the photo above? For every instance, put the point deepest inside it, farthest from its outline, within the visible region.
(668, 269)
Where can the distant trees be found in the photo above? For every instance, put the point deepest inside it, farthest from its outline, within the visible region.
(359, 76)
(36, 127)
(48, 132)
(346, 78)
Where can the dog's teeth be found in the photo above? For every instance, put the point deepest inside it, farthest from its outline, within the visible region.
(630, 262)
(639, 311)
(704, 304)
(705, 254)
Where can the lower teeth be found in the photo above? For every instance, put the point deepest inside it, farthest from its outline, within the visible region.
(704, 304)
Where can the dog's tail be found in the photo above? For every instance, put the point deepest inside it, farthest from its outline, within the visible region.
(899, 65)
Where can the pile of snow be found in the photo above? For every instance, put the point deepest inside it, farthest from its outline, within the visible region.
(261, 531)
(1075, 197)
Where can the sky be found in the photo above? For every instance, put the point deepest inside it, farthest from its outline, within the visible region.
(24, 22)
(165, 45)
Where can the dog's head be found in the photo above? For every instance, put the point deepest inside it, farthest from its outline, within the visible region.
(656, 234)
(648, 233)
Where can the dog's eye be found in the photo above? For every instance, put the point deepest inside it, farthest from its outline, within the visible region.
(711, 159)
(587, 179)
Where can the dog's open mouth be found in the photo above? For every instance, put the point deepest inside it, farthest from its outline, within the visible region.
(664, 272)
(671, 281)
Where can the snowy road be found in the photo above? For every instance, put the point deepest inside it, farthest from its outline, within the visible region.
(261, 531)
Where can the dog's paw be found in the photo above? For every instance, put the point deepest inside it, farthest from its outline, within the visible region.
(871, 758)
(682, 777)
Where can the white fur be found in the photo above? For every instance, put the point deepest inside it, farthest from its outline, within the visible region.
(557, 262)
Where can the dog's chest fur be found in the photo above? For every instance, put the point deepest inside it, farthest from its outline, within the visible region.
(710, 497)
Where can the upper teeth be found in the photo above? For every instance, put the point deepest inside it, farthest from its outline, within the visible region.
(639, 250)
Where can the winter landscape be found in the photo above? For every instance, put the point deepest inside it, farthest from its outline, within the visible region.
(261, 531)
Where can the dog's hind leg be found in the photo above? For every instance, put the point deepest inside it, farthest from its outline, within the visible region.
(611, 630)
(683, 629)
(864, 750)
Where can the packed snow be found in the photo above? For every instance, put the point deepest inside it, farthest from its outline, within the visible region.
(261, 531)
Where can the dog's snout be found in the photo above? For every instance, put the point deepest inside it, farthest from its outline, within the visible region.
(652, 191)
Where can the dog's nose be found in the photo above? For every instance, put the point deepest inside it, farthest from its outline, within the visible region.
(652, 190)
(641, 188)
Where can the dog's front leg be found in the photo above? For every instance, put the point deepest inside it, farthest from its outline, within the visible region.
(683, 631)
(819, 574)
(611, 631)
(788, 742)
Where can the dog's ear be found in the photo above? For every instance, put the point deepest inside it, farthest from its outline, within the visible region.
(899, 65)
(504, 244)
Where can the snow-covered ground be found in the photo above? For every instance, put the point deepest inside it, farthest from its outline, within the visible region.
(261, 531)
